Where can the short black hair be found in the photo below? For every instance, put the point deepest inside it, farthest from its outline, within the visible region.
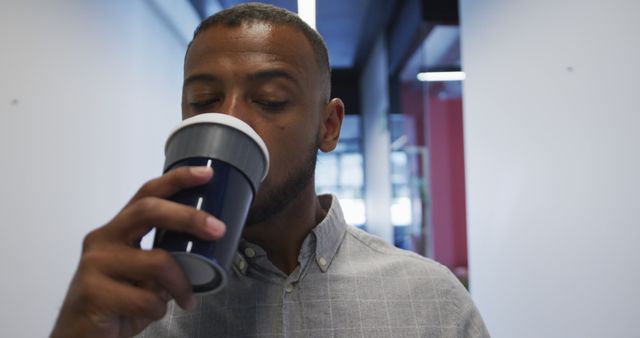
(255, 12)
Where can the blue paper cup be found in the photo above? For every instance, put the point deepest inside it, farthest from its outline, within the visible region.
(240, 162)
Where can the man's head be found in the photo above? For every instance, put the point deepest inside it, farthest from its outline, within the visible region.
(266, 67)
(262, 13)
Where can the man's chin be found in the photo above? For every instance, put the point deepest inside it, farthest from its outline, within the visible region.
(271, 203)
(273, 198)
(256, 215)
(267, 206)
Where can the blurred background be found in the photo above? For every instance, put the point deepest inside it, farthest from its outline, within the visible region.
(498, 137)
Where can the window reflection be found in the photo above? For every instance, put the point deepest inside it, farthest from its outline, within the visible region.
(341, 172)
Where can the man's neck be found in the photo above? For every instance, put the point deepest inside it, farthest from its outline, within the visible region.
(281, 236)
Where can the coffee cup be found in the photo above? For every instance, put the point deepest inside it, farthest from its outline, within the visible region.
(240, 161)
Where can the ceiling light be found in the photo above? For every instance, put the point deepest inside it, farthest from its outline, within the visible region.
(307, 12)
(441, 76)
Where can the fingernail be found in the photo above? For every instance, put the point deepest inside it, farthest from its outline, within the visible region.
(165, 296)
(201, 171)
(214, 225)
(190, 303)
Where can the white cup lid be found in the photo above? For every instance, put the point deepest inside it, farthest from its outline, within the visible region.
(227, 120)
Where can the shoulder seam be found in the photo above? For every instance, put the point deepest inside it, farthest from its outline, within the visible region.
(397, 252)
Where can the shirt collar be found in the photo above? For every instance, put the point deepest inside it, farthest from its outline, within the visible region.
(324, 239)
(329, 233)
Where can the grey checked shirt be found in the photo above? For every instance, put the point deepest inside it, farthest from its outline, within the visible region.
(348, 284)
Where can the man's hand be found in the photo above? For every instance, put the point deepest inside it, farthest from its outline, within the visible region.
(119, 289)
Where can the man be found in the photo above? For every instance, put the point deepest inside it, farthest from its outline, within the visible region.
(300, 270)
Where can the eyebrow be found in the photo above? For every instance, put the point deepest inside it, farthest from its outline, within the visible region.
(272, 74)
(201, 78)
(258, 76)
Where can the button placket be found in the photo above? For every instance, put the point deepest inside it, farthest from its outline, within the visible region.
(249, 252)
(288, 288)
(240, 263)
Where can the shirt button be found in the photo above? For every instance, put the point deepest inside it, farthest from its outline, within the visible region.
(288, 288)
(322, 261)
(249, 252)
(242, 265)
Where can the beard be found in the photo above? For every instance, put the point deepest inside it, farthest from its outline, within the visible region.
(273, 199)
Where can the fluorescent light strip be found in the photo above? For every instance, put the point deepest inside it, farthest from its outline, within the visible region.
(307, 12)
(441, 76)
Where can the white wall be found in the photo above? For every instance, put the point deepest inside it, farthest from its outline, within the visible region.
(88, 93)
(552, 145)
(376, 142)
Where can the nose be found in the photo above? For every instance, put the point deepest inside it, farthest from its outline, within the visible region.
(234, 105)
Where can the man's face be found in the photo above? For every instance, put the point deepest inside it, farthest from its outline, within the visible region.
(267, 76)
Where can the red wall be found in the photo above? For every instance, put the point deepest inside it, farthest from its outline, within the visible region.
(446, 161)
(439, 127)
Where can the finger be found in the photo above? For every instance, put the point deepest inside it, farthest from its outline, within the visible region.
(155, 288)
(173, 181)
(131, 302)
(139, 218)
(154, 270)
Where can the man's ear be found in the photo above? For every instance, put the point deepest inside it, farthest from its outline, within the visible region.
(330, 125)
